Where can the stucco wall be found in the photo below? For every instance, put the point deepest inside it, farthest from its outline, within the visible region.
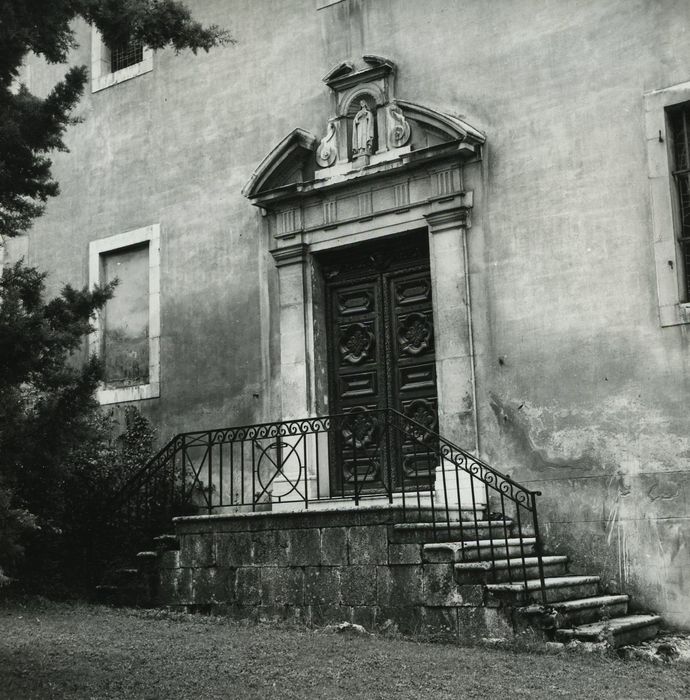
(581, 392)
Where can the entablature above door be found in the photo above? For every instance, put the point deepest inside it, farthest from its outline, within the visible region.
(379, 155)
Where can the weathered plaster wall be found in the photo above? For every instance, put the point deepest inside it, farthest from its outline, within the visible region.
(581, 393)
(175, 146)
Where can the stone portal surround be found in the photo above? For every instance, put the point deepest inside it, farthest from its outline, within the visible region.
(319, 568)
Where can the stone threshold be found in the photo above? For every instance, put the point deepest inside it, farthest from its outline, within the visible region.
(330, 505)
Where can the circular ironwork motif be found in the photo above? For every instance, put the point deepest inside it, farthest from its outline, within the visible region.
(359, 428)
(356, 343)
(271, 461)
(414, 334)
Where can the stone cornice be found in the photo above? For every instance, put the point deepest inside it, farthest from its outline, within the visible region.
(345, 75)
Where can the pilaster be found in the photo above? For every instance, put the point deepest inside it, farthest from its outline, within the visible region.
(294, 358)
(448, 224)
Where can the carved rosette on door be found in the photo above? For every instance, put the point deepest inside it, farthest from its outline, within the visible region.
(381, 355)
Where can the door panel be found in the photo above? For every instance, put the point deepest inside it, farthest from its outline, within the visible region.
(381, 355)
(358, 368)
(414, 391)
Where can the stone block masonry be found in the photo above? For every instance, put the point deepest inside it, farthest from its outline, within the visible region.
(318, 568)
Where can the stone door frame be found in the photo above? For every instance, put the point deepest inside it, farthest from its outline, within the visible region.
(303, 370)
(420, 169)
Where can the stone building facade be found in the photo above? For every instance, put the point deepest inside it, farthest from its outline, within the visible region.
(528, 150)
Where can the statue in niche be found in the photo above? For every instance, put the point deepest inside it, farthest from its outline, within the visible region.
(363, 131)
(327, 151)
(398, 129)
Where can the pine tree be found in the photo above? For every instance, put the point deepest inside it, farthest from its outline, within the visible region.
(47, 403)
(30, 127)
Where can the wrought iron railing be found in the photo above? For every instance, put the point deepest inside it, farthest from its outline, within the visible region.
(364, 457)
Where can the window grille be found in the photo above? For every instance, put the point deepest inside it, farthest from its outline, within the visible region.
(124, 55)
(680, 130)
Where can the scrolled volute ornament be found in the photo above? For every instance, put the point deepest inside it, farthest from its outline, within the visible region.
(327, 152)
(398, 128)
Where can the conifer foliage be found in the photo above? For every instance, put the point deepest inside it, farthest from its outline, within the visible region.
(32, 127)
(53, 441)
(47, 403)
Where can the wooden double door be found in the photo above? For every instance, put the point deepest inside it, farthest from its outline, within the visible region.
(381, 354)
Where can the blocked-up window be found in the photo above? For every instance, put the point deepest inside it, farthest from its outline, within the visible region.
(679, 121)
(125, 336)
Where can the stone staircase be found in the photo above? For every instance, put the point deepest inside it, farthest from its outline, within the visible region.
(490, 553)
(137, 585)
(476, 568)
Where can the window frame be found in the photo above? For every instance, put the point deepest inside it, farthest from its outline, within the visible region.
(99, 248)
(674, 309)
(101, 75)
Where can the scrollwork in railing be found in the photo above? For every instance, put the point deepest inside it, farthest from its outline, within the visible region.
(464, 461)
(363, 430)
(260, 431)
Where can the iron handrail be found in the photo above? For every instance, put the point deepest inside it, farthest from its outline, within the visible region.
(274, 429)
(372, 439)
(451, 448)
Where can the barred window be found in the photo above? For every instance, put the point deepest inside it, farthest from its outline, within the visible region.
(124, 55)
(680, 130)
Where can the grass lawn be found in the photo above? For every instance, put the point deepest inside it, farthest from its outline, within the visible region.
(80, 651)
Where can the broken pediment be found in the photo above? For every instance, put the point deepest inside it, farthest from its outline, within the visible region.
(291, 162)
(369, 131)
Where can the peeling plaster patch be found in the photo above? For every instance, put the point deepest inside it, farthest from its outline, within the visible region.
(665, 490)
(621, 433)
(514, 423)
(621, 503)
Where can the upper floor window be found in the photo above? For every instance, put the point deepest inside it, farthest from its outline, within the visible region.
(667, 133)
(125, 55)
(679, 123)
(114, 64)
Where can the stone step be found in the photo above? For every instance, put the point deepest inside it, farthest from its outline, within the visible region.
(125, 577)
(618, 632)
(147, 562)
(453, 531)
(106, 593)
(506, 570)
(557, 588)
(478, 550)
(117, 596)
(585, 610)
(166, 543)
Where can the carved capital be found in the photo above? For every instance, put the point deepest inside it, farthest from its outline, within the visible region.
(454, 218)
(290, 255)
